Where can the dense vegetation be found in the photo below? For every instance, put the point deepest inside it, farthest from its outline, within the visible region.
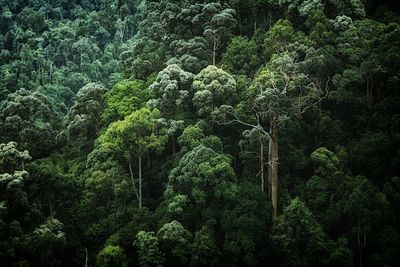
(199, 133)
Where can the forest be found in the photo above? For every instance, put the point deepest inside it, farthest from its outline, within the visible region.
(199, 133)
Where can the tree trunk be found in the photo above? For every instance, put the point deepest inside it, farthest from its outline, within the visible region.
(262, 166)
(362, 242)
(148, 159)
(214, 52)
(239, 19)
(273, 166)
(140, 182)
(173, 146)
(50, 206)
(133, 181)
(369, 82)
(86, 257)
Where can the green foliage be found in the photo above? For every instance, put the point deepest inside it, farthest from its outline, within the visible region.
(134, 135)
(303, 8)
(244, 224)
(191, 137)
(191, 55)
(176, 241)
(171, 90)
(84, 117)
(207, 181)
(217, 23)
(111, 256)
(213, 87)
(283, 91)
(328, 162)
(242, 56)
(282, 37)
(204, 249)
(123, 99)
(148, 249)
(48, 239)
(143, 58)
(225, 84)
(29, 119)
(299, 237)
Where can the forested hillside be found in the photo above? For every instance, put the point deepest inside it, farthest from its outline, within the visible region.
(199, 133)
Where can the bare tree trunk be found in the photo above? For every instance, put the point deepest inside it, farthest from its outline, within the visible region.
(214, 52)
(262, 166)
(133, 181)
(273, 166)
(140, 182)
(86, 257)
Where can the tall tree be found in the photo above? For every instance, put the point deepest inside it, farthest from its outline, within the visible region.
(281, 92)
(134, 137)
(217, 22)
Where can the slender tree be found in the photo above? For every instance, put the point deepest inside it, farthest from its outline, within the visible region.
(134, 137)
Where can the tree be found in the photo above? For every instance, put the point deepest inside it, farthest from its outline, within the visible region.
(213, 87)
(171, 90)
(123, 99)
(175, 240)
(29, 119)
(280, 92)
(14, 198)
(84, 118)
(207, 180)
(242, 56)
(244, 225)
(148, 249)
(204, 249)
(367, 208)
(11, 158)
(325, 189)
(356, 45)
(217, 23)
(14, 203)
(111, 256)
(253, 142)
(143, 58)
(302, 7)
(134, 137)
(47, 240)
(191, 55)
(299, 236)
(282, 37)
(354, 9)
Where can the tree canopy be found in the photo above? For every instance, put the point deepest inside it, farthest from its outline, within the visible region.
(199, 133)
